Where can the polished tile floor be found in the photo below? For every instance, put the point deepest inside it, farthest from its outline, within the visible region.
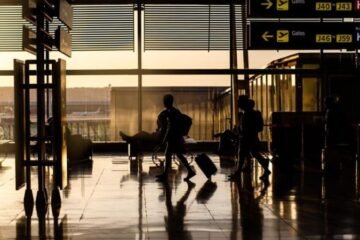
(113, 199)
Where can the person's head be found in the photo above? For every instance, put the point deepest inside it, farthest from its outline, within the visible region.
(243, 101)
(251, 104)
(168, 100)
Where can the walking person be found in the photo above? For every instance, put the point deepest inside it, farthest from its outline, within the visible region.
(172, 138)
(249, 144)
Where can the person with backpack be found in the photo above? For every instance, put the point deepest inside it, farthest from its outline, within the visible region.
(172, 126)
(251, 123)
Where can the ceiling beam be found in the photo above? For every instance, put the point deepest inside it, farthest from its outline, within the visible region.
(79, 2)
(188, 71)
(119, 2)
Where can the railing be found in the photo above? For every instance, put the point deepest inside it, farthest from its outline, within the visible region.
(6, 131)
(94, 129)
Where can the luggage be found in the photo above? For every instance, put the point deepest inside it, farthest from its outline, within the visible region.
(206, 165)
(184, 123)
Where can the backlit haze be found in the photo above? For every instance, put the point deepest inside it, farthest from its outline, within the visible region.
(151, 59)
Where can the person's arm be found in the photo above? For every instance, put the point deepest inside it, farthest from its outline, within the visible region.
(166, 133)
(162, 127)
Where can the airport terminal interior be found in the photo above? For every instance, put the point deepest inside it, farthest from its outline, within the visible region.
(83, 146)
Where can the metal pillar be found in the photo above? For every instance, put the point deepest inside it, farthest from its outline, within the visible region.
(139, 49)
(245, 48)
(41, 199)
(233, 66)
(28, 198)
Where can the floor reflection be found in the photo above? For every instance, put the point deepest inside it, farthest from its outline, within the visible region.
(28, 228)
(174, 221)
(206, 192)
(251, 213)
(114, 198)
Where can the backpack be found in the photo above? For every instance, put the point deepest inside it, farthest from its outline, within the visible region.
(259, 122)
(184, 124)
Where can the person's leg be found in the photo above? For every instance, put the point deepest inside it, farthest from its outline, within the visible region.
(168, 159)
(125, 137)
(140, 136)
(144, 136)
(247, 164)
(243, 152)
(264, 163)
(186, 164)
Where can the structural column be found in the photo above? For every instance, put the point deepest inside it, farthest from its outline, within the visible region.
(245, 48)
(139, 49)
(41, 198)
(233, 66)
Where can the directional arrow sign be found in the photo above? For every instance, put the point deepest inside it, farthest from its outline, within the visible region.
(266, 36)
(308, 35)
(267, 4)
(303, 8)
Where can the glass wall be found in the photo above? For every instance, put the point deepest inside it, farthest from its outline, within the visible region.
(311, 91)
(273, 93)
(191, 97)
(311, 94)
(7, 108)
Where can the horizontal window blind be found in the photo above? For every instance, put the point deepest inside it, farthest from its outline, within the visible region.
(95, 28)
(190, 27)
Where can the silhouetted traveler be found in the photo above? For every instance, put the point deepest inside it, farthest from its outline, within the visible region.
(337, 124)
(171, 135)
(141, 137)
(249, 126)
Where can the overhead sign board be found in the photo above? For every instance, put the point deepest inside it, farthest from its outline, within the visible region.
(19, 125)
(64, 12)
(63, 41)
(303, 8)
(306, 36)
(29, 40)
(29, 8)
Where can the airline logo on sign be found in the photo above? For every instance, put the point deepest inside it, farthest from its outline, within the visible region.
(282, 5)
(282, 36)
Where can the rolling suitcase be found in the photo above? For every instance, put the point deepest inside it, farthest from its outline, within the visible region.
(206, 165)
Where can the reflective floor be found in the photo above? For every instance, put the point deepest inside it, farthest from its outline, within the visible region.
(113, 199)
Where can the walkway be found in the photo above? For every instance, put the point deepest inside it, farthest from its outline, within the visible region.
(110, 199)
